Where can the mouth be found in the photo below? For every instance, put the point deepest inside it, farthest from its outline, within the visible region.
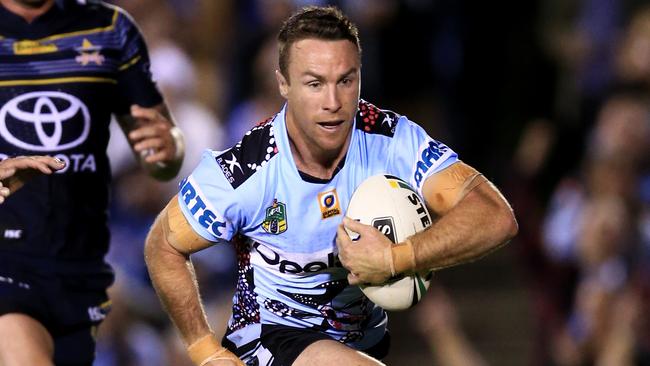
(331, 125)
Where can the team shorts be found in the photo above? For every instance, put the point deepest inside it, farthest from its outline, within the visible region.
(69, 306)
(287, 343)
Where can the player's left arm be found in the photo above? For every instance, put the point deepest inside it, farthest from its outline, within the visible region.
(156, 141)
(473, 219)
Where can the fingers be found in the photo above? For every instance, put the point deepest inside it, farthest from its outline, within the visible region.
(144, 113)
(4, 192)
(354, 225)
(16, 171)
(152, 142)
(6, 173)
(44, 164)
(342, 240)
(54, 163)
(151, 130)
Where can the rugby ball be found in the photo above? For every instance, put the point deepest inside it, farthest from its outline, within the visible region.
(393, 207)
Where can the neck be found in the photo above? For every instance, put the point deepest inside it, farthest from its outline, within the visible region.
(28, 10)
(313, 160)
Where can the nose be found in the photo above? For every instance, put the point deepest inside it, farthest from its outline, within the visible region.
(332, 100)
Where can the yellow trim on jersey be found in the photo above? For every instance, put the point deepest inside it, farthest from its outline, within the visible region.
(87, 31)
(130, 63)
(78, 79)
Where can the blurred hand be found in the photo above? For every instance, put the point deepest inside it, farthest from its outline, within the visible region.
(368, 258)
(152, 138)
(14, 172)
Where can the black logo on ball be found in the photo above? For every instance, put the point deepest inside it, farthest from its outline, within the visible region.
(386, 226)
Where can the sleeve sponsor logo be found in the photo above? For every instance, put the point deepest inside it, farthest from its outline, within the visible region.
(201, 209)
(429, 156)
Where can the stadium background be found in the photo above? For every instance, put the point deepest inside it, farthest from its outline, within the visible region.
(547, 97)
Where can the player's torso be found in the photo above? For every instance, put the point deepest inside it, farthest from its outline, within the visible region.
(57, 91)
(291, 226)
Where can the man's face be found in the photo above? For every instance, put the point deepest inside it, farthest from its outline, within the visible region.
(322, 92)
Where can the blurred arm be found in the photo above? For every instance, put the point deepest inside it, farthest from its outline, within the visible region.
(156, 141)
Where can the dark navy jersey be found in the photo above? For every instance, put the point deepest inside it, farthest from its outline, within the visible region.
(61, 78)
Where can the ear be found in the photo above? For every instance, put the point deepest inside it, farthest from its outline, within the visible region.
(283, 84)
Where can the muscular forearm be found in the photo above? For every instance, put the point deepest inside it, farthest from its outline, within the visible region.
(172, 275)
(480, 223)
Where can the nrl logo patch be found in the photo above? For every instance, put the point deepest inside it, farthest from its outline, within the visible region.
(275, 221)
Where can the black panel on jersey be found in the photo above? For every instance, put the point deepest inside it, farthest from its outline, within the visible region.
(373, 120)
(249, 155)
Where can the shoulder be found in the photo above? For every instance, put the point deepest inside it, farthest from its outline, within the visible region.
(249, 155)
(373, 120)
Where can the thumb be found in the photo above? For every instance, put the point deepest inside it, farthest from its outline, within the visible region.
(353, 225)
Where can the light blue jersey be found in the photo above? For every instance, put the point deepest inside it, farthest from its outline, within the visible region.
(283, 224)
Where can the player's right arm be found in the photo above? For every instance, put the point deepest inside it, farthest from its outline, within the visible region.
(168, 246)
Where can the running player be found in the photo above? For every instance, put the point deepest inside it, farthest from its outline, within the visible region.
(65, 67)
(279, 196)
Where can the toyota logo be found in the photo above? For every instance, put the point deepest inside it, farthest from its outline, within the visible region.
(45, 121)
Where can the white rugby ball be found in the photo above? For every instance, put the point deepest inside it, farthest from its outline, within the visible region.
(393, 207)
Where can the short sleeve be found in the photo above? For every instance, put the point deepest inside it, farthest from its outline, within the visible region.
(209, 202)
(415, 156)
(134, 80)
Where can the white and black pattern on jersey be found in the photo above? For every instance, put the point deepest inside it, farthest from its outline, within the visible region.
(249, 155)
(333, 316)
(373, 120)
(245, 309)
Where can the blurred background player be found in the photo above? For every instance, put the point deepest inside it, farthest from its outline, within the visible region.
(68, 66)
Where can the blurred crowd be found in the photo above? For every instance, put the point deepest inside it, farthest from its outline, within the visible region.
(549, 98)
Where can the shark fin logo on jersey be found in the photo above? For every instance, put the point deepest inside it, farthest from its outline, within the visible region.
(275, 221)
(328, 202)
(429, 155)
